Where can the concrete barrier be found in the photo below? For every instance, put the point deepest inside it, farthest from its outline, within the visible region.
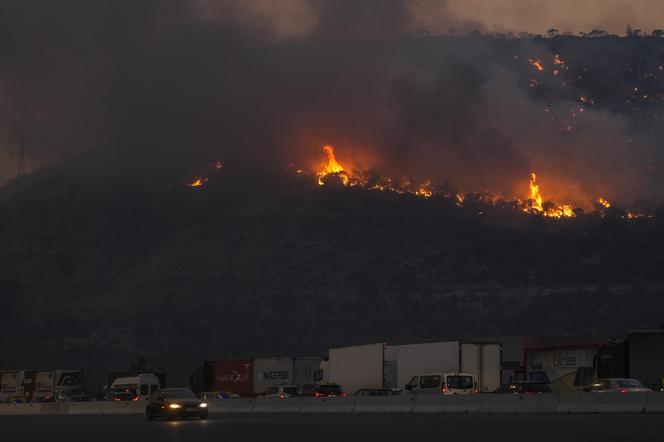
(447, 404)
(277, 405)
(121, 407)
(655, 402)
(512, 403)
(327, 405)
(54, 408)
(84, 407)
(230, 406)
(602, 403)
(383, 404)
(20, 409)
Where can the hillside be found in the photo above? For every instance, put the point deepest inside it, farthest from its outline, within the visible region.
(96, 275)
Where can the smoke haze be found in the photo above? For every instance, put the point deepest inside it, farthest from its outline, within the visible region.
(171, 84)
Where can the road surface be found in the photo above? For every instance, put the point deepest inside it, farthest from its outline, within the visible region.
(365, 428)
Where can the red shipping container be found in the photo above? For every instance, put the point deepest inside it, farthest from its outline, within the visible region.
(234, 376)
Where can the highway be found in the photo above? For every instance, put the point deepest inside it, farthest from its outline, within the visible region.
(346, 427)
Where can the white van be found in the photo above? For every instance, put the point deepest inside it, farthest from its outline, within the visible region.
(141, 386)
(443, 383)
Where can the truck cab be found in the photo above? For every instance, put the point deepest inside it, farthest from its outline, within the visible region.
(443, 383)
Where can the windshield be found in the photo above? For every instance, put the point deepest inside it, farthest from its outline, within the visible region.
(329, 389)
(463, 382)
(290, 390)
(178, 394)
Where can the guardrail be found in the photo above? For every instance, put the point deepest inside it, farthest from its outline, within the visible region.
(483, 403)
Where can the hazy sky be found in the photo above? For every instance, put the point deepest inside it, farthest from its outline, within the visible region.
(566, 15)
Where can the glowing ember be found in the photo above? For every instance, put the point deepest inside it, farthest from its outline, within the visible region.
(604, 203)
(537, 64)
(198, 182)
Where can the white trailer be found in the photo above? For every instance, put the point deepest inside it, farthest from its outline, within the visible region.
(361, 366)
(481, 359)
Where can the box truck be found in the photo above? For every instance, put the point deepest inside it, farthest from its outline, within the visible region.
(361, 366)
(639, 356)
(481, 359)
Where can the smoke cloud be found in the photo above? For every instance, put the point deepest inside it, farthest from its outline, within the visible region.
(166, 84)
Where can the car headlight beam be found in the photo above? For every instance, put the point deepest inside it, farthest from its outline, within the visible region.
(202, 405)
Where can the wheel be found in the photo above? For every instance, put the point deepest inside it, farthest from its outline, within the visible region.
(148, 414)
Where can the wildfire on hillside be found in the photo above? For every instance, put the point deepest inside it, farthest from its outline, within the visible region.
(533, 201)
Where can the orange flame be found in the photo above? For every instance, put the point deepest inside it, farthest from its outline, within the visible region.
(198, 182)
(604, 203)
(536, 203)
(537, 64)
(333, 167)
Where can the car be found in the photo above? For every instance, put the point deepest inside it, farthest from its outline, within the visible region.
(442, 383)
(210, 395)
(120, 395)
(617, 385)
(378, 392)
(173, 403)
(323, 390)
(282, 391)
(526, 387)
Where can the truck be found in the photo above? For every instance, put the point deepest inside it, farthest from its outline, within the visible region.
(250, 377)
(481, 359)
(392, 366)
(639, 356)
(361, 366)
(567, 368)
(40, 385)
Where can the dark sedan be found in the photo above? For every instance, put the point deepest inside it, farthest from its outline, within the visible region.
(173, 403)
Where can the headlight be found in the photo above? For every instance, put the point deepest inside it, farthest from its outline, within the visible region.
(175, 406)
(202, 405)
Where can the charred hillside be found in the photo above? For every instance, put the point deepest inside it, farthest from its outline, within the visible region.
(95, 274)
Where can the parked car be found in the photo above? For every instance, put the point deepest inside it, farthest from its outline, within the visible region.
(617, 385)
(378, 392)
(322, 390)
(526, 387)
(209, 395)
(172, 403)
(282, 391)
(442, 383)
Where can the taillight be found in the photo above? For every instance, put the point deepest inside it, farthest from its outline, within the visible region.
(623, 390)
(476, 390)
(136, 398)
(343, 395)
(444, 389)
(282, 396)
(316, 394)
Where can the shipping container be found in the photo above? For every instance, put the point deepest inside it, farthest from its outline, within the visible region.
(566, 367)
(482, 359)
(233, 375)
(307, 371)
(270, 372)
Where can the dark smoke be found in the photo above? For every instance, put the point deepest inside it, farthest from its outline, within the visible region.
(166, 85)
